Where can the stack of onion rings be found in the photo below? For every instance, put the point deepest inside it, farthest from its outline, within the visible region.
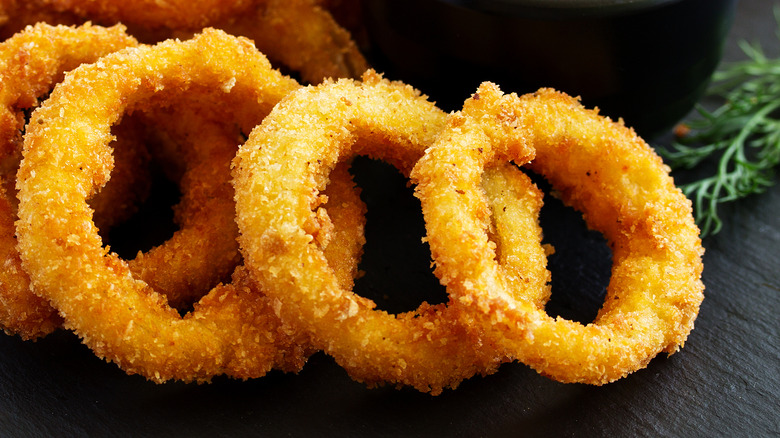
(267, 263)
(279, 171)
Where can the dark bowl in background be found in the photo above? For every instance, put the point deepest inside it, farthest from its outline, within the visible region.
(646, 61)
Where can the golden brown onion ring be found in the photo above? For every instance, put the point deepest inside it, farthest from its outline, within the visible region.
(31, 63)
(623, 189)
(172, 14)
(278, 174)
(120, 317)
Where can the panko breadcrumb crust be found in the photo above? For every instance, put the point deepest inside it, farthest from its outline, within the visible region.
(32, 62)
(623, 189)
(233, 329)
(278, 173)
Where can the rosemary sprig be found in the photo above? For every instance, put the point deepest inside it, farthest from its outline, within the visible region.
(745, 130)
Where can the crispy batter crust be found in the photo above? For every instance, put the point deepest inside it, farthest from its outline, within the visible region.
(623, 189)
(31, 64)
(278, 173)
(233, 329)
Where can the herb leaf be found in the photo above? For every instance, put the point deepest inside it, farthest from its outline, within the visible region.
(744, 130)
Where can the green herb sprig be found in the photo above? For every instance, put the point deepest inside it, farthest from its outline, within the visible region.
(745, 130)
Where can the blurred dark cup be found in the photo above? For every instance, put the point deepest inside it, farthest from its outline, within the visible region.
(646, 61)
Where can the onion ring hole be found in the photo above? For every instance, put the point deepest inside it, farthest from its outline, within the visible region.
(396, 265)
(581, 263)
(152, 224)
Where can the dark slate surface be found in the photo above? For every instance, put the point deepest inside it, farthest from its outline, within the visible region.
(723, 383)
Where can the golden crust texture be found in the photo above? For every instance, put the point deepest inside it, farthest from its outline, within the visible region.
(278, 173)
(233, 329)
(623, 189)
(31, 64)
(302, 36)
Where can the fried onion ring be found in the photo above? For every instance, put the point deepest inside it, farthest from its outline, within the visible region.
(604, 170)
(31, 63)
(278, 173)
(232, 330)
(190, 14)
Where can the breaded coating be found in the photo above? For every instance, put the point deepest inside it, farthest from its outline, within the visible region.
(623, 189)
(32, 62)
(279, 172)
(233, 330)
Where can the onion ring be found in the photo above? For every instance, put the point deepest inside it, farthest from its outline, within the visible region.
(31, 62)
(623, 189)
(190, 14)
(277, 175)
(231, 330)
